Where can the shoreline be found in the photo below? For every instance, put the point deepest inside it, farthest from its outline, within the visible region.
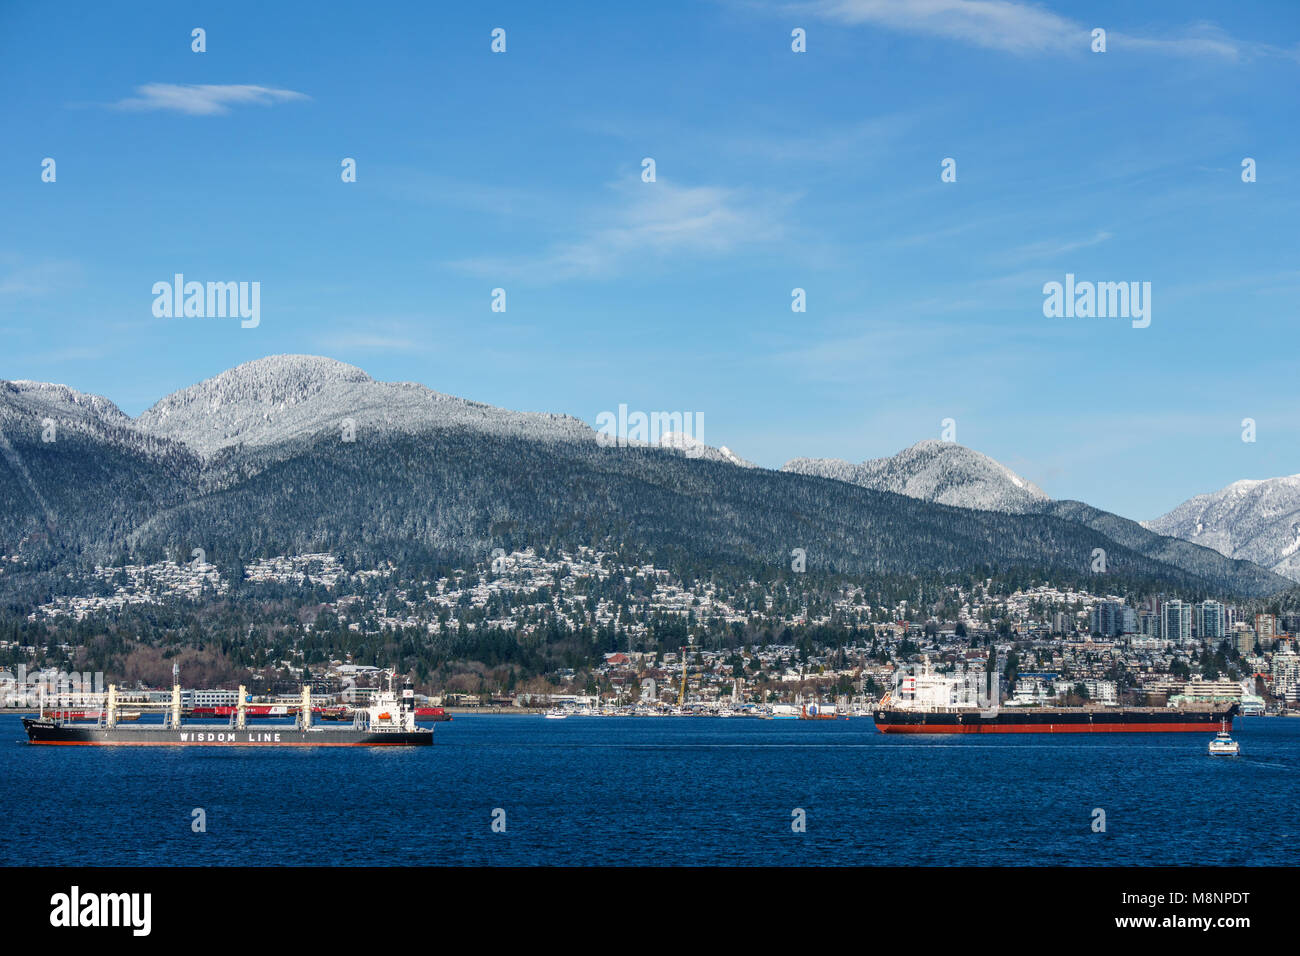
(34, 711)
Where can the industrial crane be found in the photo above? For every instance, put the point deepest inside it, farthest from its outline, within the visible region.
(681, 696)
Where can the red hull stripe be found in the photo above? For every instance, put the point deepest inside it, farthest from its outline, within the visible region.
(1045, 728)
(198, 743)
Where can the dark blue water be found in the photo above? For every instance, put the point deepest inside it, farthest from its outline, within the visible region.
(663, 791)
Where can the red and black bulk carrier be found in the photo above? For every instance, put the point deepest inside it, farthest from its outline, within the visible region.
(926, 702)
(1055, 720)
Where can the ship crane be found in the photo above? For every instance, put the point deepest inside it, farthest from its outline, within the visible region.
(681, 696)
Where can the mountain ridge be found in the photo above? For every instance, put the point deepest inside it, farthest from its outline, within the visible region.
(279, 398)
(245, 464)
(1254, 519)
(932, 470)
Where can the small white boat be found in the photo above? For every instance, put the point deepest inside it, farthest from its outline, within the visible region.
(555, 715)
(1223, 745)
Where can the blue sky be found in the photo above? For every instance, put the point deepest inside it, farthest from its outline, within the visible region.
(775, 170)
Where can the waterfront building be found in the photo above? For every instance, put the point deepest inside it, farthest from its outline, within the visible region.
(1211, 621)
(1148, 624)
(1176, 622)
(1286, 673)
(1113, 618)
(1101, 691)
(1196, 690)
(1129, 621)
(208, 698)
(1108, 618)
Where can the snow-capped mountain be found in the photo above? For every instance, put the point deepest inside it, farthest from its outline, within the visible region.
(281, 398)
(57, 411)
(258, 460)
(688, 445)
(938, 471)
(1257, 521)
(284, 397)
(63, 401)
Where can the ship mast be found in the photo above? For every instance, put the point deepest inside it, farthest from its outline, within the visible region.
(681, 696)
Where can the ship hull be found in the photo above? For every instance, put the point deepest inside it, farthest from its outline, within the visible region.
(218, 735)
(1054, 721)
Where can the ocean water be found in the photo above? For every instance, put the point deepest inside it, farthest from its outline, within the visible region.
(663, 791)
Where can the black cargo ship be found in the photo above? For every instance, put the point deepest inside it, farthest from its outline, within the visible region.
(1054, 720)
(386, 722)
(219, 735)
(925, 702)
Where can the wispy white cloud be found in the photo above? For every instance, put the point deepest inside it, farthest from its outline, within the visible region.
(204, 99)
(945, 351)
(1030, 29)
(368, 341)
(417, 185)
(1051, 248)
(648, 222)
(74, 354)
(369, 333)
(997, 24)
(857, 141)
(25, 278)
(1203, 39)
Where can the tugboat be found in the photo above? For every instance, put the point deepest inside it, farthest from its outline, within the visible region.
(1223, 745)
(816, 711)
